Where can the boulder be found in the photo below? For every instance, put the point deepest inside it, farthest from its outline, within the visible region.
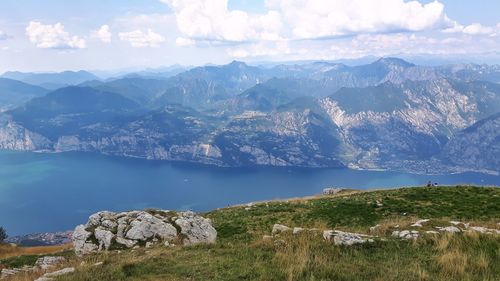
(104, 237)
(107, 230)
(126, 242)
(195, 229)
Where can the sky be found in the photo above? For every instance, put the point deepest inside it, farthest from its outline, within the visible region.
(56, 35)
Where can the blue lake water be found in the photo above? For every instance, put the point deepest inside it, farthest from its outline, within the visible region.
(53, 192)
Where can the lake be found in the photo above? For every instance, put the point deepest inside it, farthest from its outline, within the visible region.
(54, 192)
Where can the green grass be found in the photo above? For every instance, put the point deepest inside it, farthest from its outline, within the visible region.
(360, 211)
(242, 254)
(19, 261)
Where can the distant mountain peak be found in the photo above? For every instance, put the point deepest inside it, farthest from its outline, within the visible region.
(392, 61)
(236, 63)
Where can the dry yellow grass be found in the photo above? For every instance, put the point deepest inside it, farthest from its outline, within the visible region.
(453, 263)
(443, 241)
(7, 250)
(481, 263)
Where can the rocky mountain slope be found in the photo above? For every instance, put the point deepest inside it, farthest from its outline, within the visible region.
(389, 114)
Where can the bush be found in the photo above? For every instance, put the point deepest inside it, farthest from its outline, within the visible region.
(3, 234)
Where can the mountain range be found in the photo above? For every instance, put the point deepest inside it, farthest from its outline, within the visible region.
(389, 114)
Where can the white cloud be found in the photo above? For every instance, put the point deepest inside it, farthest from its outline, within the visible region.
(211, 20)
(103, 34)
(303, 19)
(139, 39)
(183, 42)
(477, 28)
(52, 36)
(311, 19)
(474, 29)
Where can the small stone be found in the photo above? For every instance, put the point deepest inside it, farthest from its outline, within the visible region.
(50, 276)
(63, 271)
(267, 237)
(450, 229)
(297, 230)
(168, 244)
(420, 222)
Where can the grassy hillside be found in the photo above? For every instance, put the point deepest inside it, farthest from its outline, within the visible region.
(242, 253)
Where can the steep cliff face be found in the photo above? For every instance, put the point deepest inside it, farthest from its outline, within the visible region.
(15, 137)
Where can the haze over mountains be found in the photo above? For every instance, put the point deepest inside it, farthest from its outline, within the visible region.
(389, 114)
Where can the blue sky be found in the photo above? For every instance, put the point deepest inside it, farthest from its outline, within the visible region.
(119, 34)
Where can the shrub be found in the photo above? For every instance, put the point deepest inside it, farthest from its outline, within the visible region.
(3, 234)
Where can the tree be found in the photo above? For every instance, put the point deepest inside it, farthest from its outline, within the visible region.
(3, 234)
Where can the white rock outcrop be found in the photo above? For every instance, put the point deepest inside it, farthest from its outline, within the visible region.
(405, 234)
(47, 262)
(279, 228)
(345, 238)
(108, 230)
